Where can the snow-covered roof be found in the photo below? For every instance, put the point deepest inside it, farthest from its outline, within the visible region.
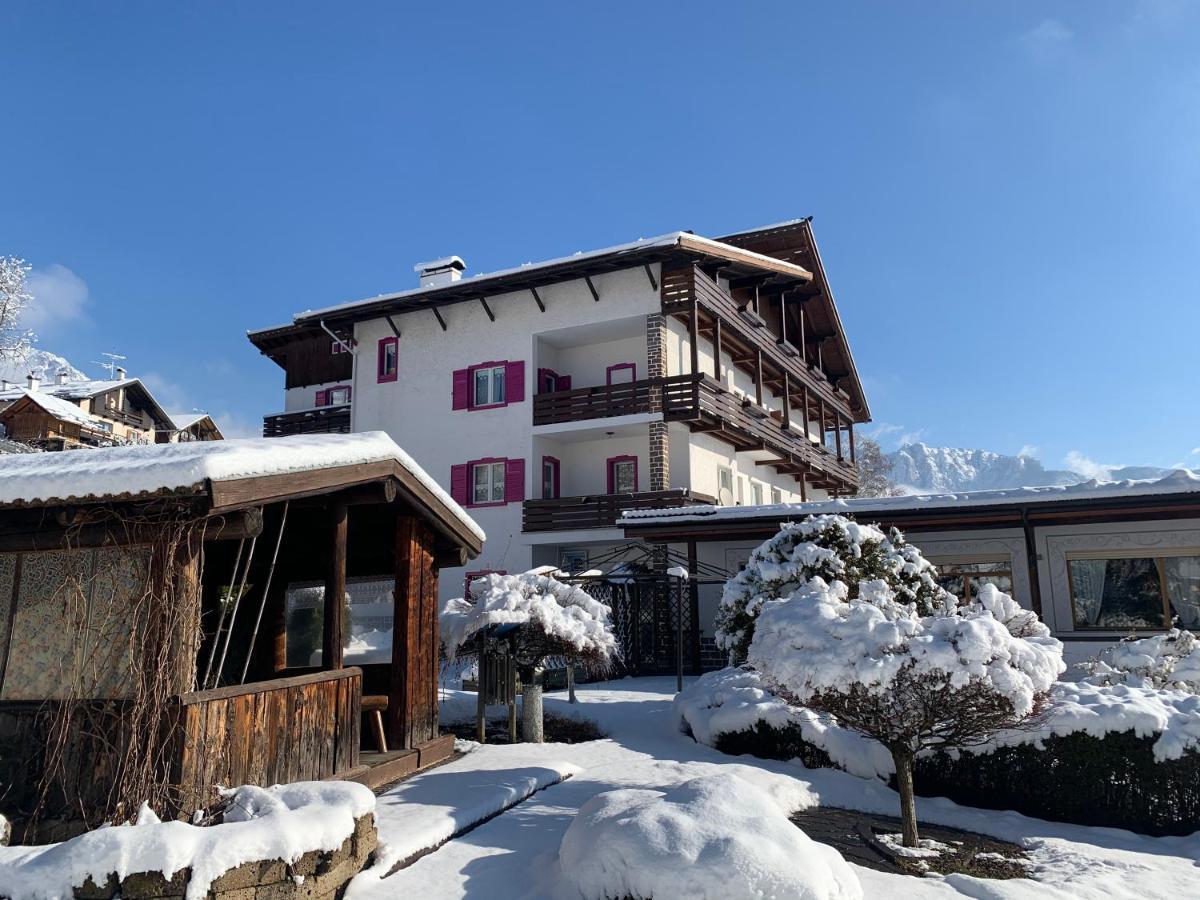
(61, 409)
(670, 239)
(130, 471)
(186, 420)
(71, 390)
(1180, 481)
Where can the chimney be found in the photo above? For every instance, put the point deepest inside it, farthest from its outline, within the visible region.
(438, 272)
(120, 373)
(32, 381)
(60, 377)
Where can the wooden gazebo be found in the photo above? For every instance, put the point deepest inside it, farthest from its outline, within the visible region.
(147, 597)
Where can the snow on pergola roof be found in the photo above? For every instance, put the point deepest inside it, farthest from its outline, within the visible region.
(46, 478)
(1180, 481)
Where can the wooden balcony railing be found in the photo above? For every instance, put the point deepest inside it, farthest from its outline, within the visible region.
(600, 402)
(600, 510)
(322, 420)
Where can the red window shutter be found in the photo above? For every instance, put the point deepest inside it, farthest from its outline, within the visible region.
(462, 389)
(514, 382)
(564, 383)
(322, 398)
(459, 480)
(514, 480)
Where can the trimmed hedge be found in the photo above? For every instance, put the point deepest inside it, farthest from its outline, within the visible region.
(1113, 781)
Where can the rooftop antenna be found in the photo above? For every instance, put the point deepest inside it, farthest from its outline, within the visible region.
(111, 364)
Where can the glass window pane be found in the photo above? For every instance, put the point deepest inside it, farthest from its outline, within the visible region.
(481, 387)
(497, 481)
(498, 385)
(1116, 593)
(952, 583)
(623, 478)
(1183, 588)
(481, 484)
(1002, 582)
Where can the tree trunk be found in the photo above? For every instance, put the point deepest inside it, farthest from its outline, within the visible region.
(903, 760)
(531, 705)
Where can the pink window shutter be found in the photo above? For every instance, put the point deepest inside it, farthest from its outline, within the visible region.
(514, 382)
(459, 476)
(462, 389)
(564, 383)
(514, 480)
(322, 398)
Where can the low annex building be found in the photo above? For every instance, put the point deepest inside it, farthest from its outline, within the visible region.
(1097, 561)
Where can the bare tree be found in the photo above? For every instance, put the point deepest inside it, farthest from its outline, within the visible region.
(14, 298)
(874, 470)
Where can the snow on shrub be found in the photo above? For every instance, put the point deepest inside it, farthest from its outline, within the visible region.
(952, 677)
(715, 837)
(282, 822)
(1170, 661)
(565, 617)
(833, 548)
(733, 702)
(555, 619)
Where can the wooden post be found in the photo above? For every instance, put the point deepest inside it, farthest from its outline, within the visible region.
(837, 433)
(334, 624)
(758, 385)
(803, 337)
(850, 431)
(787, 401)
(804, 410)
(821, 414)
(783, 317)
(571, 683)
(717, 348)
(412, 697)
(694, 604)
(694, 337)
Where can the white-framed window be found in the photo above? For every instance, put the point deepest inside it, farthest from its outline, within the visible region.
(487, 482)
(489, 386)
(776, 495)
(1135, 591)
(339, 395)
(572, 561)
(725, 480)
(756, 493)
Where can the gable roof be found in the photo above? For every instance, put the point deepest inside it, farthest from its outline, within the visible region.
(88, 388)
(61, 409)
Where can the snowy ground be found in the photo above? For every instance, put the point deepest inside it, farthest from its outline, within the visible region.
(515, 854)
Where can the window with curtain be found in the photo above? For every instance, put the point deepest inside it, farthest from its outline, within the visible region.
(963, 579)
(1135, 592)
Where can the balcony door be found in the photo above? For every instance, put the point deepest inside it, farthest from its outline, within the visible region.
(550, 478)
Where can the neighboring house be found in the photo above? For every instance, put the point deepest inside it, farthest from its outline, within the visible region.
(66, 414)
(1097, 560)
(193, 426)
(551, 397)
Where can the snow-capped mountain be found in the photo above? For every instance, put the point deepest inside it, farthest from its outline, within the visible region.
(917, 467)
(43, 362)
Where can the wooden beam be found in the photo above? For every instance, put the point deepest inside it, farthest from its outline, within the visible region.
(437, 312)
(592, 288)
(758, 377)
(392, 325)
(334, 622)
(650, 275)
(537, 298)
(717, 348)
(787, 401)
(850, 430)
(803, 337)
(487, 309)
(837, 434)
(782, 318)
(694, 336)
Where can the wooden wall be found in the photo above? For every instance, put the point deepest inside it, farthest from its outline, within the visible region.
(304, 728)
(413, 710)
(310, 361)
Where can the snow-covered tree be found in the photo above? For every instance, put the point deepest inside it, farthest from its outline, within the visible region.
(556, 619)
(874, 470)
(15, 341)
(948, 677)
(1168, 661)
(830, 547)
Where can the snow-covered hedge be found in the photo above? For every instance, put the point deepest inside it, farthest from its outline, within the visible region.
(260, 824)
(566, 616)
(832, 548)
(1170, 660)
(711, 838)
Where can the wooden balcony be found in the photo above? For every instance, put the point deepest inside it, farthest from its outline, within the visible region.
(600, 402)
(600, 510)
(322, 420)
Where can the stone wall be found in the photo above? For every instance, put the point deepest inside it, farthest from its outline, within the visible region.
(317, 875)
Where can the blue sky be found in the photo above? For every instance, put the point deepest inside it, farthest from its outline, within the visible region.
(1007, 195)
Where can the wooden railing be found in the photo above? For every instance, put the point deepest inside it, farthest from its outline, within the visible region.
(303, 728)
(600, 510)
(323, 420)
(600, 402)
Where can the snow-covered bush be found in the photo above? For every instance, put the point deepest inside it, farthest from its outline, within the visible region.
(553, 619)
(714, 837)
(1170, 661)
(833, 548)
(911, 679)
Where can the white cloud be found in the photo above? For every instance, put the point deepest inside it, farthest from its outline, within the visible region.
(1195, 451)
(1030, 450)
(1047, 40)
(59, 300)
(1088, 468)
